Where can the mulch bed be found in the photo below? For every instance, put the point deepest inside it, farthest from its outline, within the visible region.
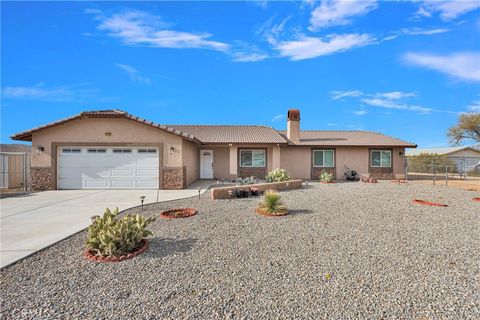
(178, 213)
(90, 255)
(476, 199)
(281, 214)
(428, 203)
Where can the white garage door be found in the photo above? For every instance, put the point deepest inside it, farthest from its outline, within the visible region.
(108, 168)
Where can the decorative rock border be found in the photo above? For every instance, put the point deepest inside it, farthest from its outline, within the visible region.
(90, 255)
(428, 203)
(476, 199)
(369, 180)
(260, 212)
(185, 213)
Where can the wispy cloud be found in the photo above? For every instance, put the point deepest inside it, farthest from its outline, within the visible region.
(475, 106)
(331, 124)
(305, 47)
(464, 66)
(447, 9)
(139, 28)
(278, 117)
(133, 73)
(396, 100)
(338, 12)
(342, 94)
(423, 31)
(41, 92)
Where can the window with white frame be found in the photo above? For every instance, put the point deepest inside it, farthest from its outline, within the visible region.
(381, 158)
(252, 158)
(323, 158)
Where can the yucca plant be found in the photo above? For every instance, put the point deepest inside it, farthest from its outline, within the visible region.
(110, 236)
(326, 177)
(278, 175)
(271, 204)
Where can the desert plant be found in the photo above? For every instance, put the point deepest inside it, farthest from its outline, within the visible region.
(326, 177)
(278, 175)
(271, 204)
(110, 236)
(246, 181)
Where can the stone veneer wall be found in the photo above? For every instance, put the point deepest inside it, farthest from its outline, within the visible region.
(222, 193)
(174, 178)
(41, 179)
(316, 171)
(381, 173)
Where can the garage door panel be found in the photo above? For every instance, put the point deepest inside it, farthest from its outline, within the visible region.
(108, 170)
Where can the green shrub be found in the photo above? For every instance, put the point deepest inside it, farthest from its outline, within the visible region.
(271, 203)
(246, 181)
(326, 177)
(112, 236)
(278, 175)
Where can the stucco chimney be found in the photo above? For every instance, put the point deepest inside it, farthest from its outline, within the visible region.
(293, 125)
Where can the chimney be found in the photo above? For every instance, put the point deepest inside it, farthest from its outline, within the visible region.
(293, 125)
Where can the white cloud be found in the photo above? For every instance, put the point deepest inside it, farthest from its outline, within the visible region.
(360, 112)
(395, 95)
(392, 104)
(337, 12)
(240, 56)
(448, 10)
(342, 94)
(310, 47)
(421, 31)
(134, 74)
(331, 124)
(464, 66)
(475, 106)
(138, 28)
(40, 92)
(278, 117)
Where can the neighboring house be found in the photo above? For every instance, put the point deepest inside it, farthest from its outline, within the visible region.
(113, 149)
(465, 158)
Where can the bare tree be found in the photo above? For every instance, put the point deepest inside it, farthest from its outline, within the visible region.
(467, 128)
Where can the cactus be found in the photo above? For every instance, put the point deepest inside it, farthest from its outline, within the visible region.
(109, 235)
(278, 175)
(326, 177)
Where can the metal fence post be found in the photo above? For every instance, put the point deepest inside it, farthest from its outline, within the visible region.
(434, 172)
(446, 175)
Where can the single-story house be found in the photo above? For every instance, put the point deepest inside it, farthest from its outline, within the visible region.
(466, 158)
(111, 149)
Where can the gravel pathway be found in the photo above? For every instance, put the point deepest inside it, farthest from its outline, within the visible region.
(345, 251)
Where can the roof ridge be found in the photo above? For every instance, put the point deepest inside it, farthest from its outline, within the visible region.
(220, 125)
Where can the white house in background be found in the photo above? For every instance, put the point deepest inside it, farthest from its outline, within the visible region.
(464, 157)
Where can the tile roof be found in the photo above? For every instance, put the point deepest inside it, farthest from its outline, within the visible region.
(232, 133)
(114, 113)
(347, 138)
(441, 151)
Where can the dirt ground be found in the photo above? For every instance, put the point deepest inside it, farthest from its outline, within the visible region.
(472, 185)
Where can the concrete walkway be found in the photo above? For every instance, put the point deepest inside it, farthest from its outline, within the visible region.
(34, 221)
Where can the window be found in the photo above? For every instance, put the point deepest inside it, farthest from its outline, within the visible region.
(252, 158)
(147, 150)
(97, 150)
(323, 158)
(381, 158)
(122, 150)
(71, 150)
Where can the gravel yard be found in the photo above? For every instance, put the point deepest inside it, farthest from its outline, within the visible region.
(345, 251)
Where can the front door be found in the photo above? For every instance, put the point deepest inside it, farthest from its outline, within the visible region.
(206, 164)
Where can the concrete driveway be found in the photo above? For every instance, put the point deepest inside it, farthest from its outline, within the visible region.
(34, 221)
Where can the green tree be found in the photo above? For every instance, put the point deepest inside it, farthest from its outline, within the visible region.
(468, 127)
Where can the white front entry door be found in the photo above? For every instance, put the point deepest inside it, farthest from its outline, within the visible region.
(108, 168)
(206, 164)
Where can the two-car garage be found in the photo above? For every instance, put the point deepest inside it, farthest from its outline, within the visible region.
(108, 167)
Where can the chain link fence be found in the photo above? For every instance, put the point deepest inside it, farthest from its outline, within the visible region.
(14, 171)
(435, 168)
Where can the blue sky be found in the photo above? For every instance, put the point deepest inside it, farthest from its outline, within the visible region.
(406, 69)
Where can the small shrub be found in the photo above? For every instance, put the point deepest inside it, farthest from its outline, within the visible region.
(278, 175)
(271, 204)
(110, 236)
(326, 177)
(246, 181)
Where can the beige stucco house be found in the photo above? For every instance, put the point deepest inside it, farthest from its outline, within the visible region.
(111, 149)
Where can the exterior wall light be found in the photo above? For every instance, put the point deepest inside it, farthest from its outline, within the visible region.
(171, 150)
(40, 148)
